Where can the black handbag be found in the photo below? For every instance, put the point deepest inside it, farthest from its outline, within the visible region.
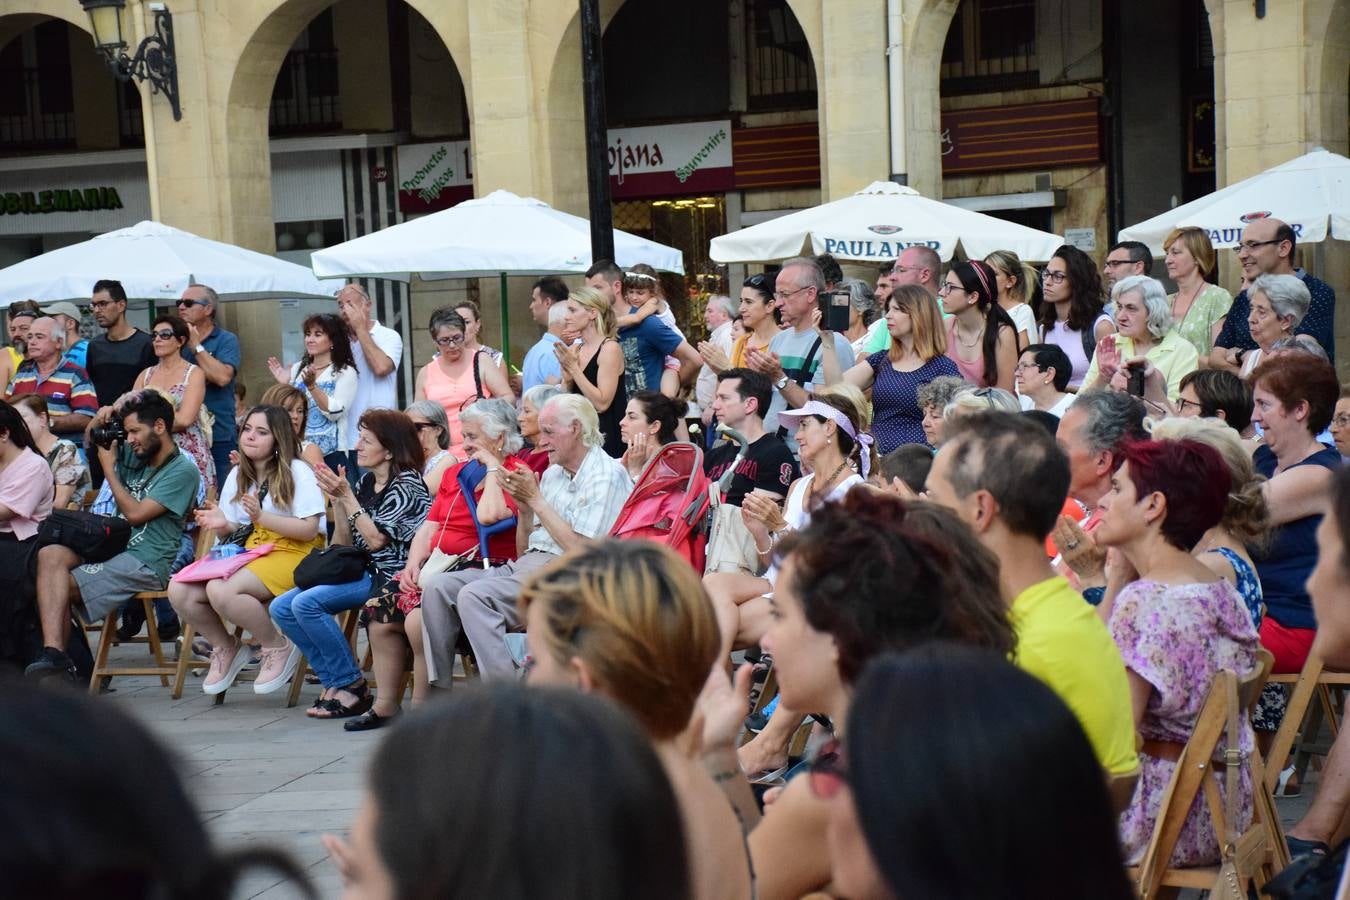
(335, 565)
(94, 538)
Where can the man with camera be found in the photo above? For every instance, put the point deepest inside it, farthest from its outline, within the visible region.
(793, 361)
(154, 487)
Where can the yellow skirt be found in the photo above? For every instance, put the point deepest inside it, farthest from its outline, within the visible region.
(276, 570)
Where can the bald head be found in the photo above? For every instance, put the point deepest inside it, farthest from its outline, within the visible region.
(46, 339)
(918, 265)
(1267, 248)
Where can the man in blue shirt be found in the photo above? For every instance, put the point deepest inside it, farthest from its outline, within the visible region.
(216, 352)
(546, 306)
(647, 343)
(1267, 248)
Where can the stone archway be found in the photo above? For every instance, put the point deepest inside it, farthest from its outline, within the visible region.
(249, 95)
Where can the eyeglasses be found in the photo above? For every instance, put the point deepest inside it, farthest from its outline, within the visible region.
(1054, 277)
(900, 268)
(756, 281)
(163, 335)
(453, 341)
(986, 394)
(1112, 263)
(783, 295)
(1023, 366)
(947, 287)
(1183, 404)
(827, 774)
(187, 302)
(1341, 421)
(1251, 246)
(101, 304)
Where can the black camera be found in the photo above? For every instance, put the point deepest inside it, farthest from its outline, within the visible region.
(834, 310)
(108, 433)
(1136, 379)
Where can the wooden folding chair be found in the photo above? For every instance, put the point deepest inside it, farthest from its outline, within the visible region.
(163, 667)
(1250, 857)
(1302, 721)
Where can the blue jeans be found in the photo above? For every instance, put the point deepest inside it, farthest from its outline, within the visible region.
(220, 454)
(306, 616)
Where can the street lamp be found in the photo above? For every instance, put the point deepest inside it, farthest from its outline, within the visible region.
(154, 60)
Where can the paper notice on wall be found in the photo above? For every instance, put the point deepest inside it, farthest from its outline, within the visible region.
(1084, 239)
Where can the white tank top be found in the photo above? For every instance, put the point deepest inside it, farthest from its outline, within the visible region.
(796, 513)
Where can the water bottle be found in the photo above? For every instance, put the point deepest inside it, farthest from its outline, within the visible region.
(224, 551)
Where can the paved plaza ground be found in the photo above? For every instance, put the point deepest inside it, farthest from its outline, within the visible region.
(266, 775)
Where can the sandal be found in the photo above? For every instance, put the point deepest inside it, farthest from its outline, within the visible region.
(320, 703)
(334, 709)
(370, 721)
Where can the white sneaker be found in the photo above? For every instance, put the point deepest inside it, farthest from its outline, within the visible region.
(277, 667)
(226, 661)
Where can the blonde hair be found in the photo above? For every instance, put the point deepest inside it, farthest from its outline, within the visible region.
(1197, 244)
(286, 396)
(637, 615)
(590, 298)
(1247, 517)
(1023, 274)
(930, 339)
(276, 471)
(982, 399)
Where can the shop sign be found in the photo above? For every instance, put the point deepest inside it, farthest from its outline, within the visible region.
(434, 176)
(870, 249)
(1026, 136)
(669, 160)
(24, 203)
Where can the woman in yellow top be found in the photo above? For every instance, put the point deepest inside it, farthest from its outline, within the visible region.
(275, 491)
(1198, 307)
(759, 318)
(1144, 330)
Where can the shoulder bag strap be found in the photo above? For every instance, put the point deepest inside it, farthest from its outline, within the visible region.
(800, 375)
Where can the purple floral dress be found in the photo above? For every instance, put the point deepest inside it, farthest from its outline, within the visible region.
(1177, 638)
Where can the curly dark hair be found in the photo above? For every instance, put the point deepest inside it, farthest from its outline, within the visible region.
(336, 328)
(866, 576)
(1086, 283)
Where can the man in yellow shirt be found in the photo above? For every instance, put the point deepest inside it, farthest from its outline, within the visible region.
(1004, 476)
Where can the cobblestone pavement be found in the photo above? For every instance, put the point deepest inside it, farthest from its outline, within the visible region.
(264, 774)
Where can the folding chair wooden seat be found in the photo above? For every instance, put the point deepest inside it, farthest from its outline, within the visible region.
(1302, 721)
(163, 667)
(1250, 857)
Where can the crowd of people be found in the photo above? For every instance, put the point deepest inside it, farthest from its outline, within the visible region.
(995, 542)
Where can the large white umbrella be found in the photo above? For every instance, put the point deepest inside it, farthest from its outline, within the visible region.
(157, 262)
(500, 234)
(877, 224)
(1311, 193)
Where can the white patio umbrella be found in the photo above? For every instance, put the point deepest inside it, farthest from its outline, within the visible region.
(157, 262)
(877, 224)
(501, 234)
(1311, 193)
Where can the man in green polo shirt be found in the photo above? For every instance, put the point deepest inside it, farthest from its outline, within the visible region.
(1004, 476)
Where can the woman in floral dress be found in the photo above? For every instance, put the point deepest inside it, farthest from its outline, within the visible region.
(184, 384)
(1177, 624)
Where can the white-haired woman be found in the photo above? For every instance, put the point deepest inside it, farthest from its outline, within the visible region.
(1278, 305)
(455, 526)
(531, 402)
(433, 431)
(1144, 331)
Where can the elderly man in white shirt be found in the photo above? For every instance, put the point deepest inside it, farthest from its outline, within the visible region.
(377, 351)
(578, 498)
(717, 316)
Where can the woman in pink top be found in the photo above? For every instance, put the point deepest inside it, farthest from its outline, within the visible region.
(26, 484)
(456, 378)
(981, 336)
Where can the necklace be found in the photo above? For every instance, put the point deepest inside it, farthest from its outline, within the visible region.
(973, 341)
(824, 487)
(1194, 294)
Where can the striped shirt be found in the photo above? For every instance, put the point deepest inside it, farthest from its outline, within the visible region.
(67, 389)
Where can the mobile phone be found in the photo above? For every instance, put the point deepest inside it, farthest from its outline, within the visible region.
(834, 310)
(1136, 385)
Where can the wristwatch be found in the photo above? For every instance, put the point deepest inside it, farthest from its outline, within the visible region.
(781, 383)
(200, 348)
